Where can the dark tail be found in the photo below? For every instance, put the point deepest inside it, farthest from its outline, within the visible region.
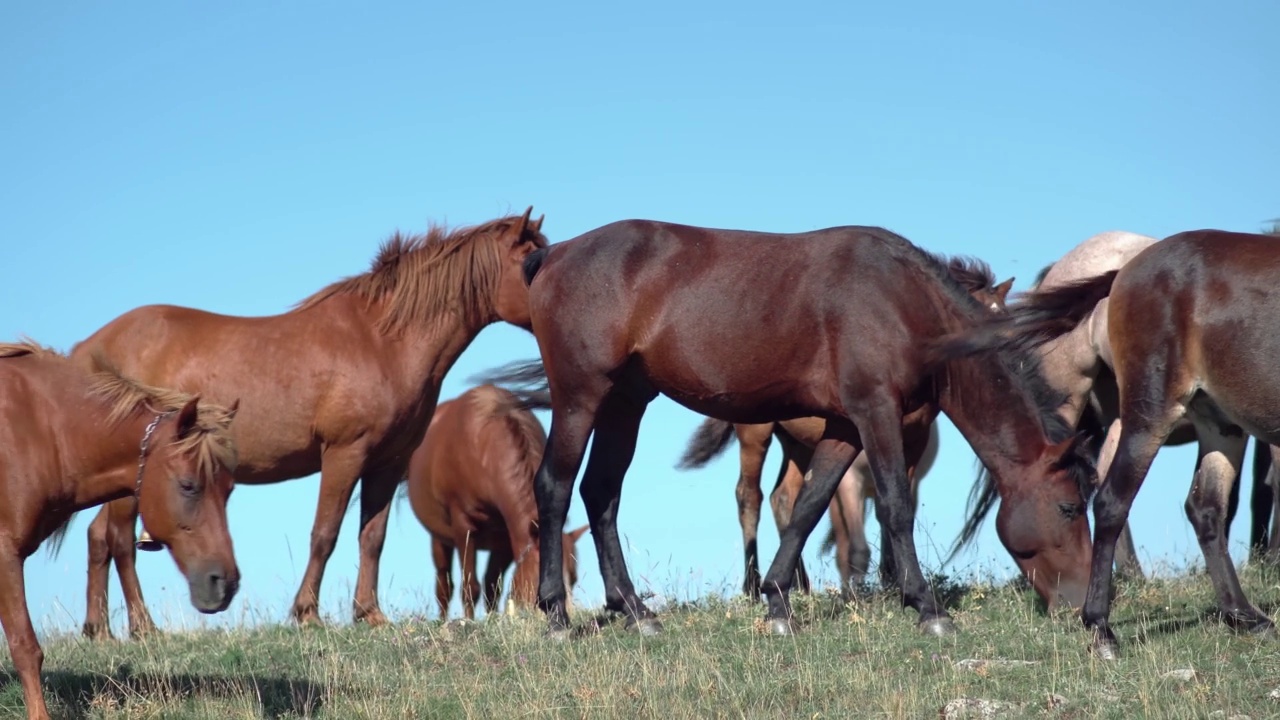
(708, 441)
(532, 264)
(828, 542)
(1037, 318)
(526, 379)
(53, 543)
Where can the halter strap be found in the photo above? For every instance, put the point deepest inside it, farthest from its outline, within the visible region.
(145, 541)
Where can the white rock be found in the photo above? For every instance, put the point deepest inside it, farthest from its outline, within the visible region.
(1183, 675)
(976, 708)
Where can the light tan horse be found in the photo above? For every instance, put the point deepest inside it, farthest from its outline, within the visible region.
(343, 384)
(72, 440)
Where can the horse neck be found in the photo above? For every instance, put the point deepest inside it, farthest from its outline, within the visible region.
(985, 401)
(423, 352)
(105, 467)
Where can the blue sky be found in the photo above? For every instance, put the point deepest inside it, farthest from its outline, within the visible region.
(237, 158)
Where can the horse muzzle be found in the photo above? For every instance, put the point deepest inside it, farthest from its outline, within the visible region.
(213, 587)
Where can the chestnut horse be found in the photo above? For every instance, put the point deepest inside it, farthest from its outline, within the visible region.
(798, 438)
(343, 384)
(636, 308)
(1191, 324)
(73, 440)
(470, 483)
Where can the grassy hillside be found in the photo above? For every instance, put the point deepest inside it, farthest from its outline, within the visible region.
(864, 659)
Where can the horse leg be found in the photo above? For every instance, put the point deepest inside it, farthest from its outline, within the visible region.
(853, 556)
(886, 444)
(122, 515)
(1140, 439)
(338, 474)
(613, 446)
(1127, 564)
(442, 558)
(470, 583)
(571, 425)
(782, 501)
(832, 456)
(96, 623)
(753, 445)
(1260, 502)
(24, 648)
(1273, 482)
(1217, 466)
(494, 571)
(377, 490)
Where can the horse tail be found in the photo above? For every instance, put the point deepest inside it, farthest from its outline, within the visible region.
(708, 441)
(1040, 316)
(526, 379)
(53, 543)
(532, 264)
(828, 542)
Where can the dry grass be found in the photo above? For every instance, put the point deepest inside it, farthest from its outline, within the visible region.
(863, 659)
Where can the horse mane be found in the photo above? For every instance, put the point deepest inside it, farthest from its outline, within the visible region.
(501, 405)
(27, 346)
(1024, 366)
(211, 440)
(421, 277)
(973, 274)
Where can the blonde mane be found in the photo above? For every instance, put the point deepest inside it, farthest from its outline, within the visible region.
(27, 346)
(211, 440)
(421, 277)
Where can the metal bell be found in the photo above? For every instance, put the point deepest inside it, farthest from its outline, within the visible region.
(147, 543)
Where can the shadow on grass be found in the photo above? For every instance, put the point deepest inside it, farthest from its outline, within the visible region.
(76, 691)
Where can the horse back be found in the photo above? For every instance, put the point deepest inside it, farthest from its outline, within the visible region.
(775, 321)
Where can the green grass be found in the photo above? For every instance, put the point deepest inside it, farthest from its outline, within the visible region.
(864, 659)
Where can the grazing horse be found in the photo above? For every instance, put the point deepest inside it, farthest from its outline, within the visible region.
(798, 438)
(470, 484)
(343, 384)
(1079, 365)
(1193, 338)
(637, 308)
(73, 440)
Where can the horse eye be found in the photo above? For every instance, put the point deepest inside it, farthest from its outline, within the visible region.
(1069, 510)
(188, 486)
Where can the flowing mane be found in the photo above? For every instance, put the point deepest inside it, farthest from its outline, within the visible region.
(27, 346)
(1024, 366)
(421, 277)
(211, 440)
(973, 274)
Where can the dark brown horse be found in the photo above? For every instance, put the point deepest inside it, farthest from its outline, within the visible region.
(344, 384)
(1191, 323)
(636, 308)
(797, 438)
(73, 440)
(470, 483)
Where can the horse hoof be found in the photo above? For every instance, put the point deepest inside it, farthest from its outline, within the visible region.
(1106, 649)
(782, 627)
(559, 635)
(938, 627)
(1266, 632)
(646, 626)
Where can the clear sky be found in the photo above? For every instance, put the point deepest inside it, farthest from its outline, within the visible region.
(238, 157)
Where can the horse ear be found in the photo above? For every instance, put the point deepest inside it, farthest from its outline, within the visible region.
(1002, 290)
(1062, 452)
(576, 534)
(188, 416)
(231, 411)
(522, 224)
(537, 225)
